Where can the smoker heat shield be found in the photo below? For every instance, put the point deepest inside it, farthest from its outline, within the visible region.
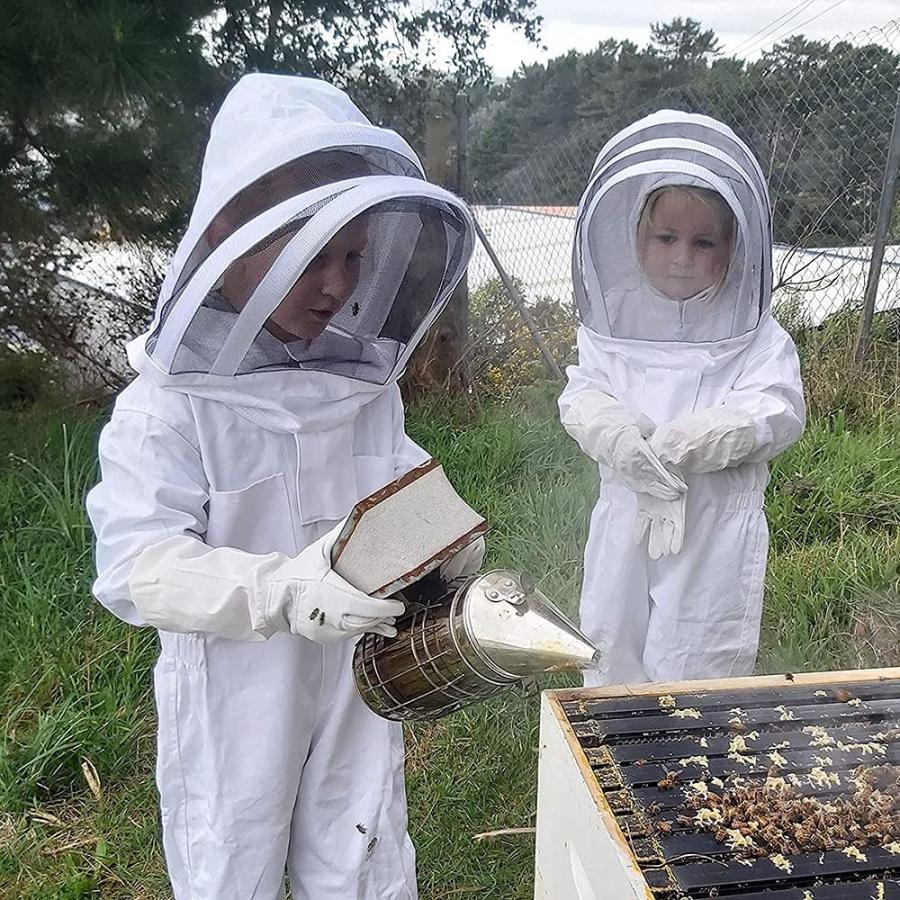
(466, 643)
(399, 534)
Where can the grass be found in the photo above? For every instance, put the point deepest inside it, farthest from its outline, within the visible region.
(75, 683)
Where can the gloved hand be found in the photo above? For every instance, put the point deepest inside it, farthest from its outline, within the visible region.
(706, 440)
(465, 562)
(664, 521)
(307, 597)
(607, 432)
(181, 584)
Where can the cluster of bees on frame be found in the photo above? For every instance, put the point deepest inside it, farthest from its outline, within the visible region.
(773, 818)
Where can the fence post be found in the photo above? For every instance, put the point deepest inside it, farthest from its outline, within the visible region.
(462, 144)
(461, 294)
(437, 145)
(437, 361)
(882, 225)
(519, 303)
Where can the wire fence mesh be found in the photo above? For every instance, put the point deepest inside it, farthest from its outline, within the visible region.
(818, 116)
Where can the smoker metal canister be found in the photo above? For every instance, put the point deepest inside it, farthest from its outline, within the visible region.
(472, 642)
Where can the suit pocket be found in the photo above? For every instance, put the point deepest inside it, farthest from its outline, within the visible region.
(256, 518)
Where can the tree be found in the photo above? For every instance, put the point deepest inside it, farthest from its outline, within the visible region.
(539, 102)
(683, 45)
(105, 104)
(544, 104)
(362, 39)
(102, 112)
(817, 115)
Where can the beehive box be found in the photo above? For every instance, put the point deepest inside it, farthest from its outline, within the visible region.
(625, 773)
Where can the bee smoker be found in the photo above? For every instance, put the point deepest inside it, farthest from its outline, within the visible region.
(457, 642)
(480, 638)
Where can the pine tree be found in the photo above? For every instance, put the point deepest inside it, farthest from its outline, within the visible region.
(105, 105)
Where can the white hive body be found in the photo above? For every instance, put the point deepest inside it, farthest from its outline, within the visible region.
(776, 787)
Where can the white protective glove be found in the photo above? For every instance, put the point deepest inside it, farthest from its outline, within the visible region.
(706, 440)
(181, 584)
(664, 520)
(464, 562)
(607, 432)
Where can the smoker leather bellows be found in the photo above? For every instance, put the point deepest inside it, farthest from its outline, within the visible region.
(463, 644)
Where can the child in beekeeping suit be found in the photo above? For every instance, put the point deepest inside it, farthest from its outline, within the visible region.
(685, 388)
(265, 406)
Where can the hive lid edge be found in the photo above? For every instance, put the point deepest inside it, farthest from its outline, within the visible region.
(654, 689)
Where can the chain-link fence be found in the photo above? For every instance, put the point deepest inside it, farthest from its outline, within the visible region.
(818, 116)
(821, 128)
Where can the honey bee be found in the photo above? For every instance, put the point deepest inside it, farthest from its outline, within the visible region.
(669, 781)
(664, 826)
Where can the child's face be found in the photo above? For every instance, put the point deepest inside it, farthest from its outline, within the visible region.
(685, 247)
(329, 280)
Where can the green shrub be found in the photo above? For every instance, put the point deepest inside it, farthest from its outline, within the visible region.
(502, 356)
(25, 378)
(832, 379)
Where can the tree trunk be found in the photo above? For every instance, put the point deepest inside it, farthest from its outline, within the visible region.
(438, 362)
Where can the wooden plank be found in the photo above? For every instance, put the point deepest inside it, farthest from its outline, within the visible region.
(886, 711)
(619, 707)
(656, 689)
(805, 867)
(860, 890)
(673, 800)
(646, 752)
(799, 763)
(705, 844)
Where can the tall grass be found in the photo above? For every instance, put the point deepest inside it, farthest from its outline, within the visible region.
(833, 381)
(75, 683)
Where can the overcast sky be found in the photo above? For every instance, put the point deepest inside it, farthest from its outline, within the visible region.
(582, 24)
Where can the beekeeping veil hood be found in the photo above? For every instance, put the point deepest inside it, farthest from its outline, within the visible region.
(290, 163)
(616, 301)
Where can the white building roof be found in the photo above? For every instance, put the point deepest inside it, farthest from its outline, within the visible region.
(534, 245)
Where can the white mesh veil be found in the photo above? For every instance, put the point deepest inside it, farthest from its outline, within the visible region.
(413, 240)
(324, 250)
(614, 295)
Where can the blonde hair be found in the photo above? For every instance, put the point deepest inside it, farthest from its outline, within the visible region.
(705, 196)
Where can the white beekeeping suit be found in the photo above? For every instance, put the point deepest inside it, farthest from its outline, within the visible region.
(265, 406)
(682, 402)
